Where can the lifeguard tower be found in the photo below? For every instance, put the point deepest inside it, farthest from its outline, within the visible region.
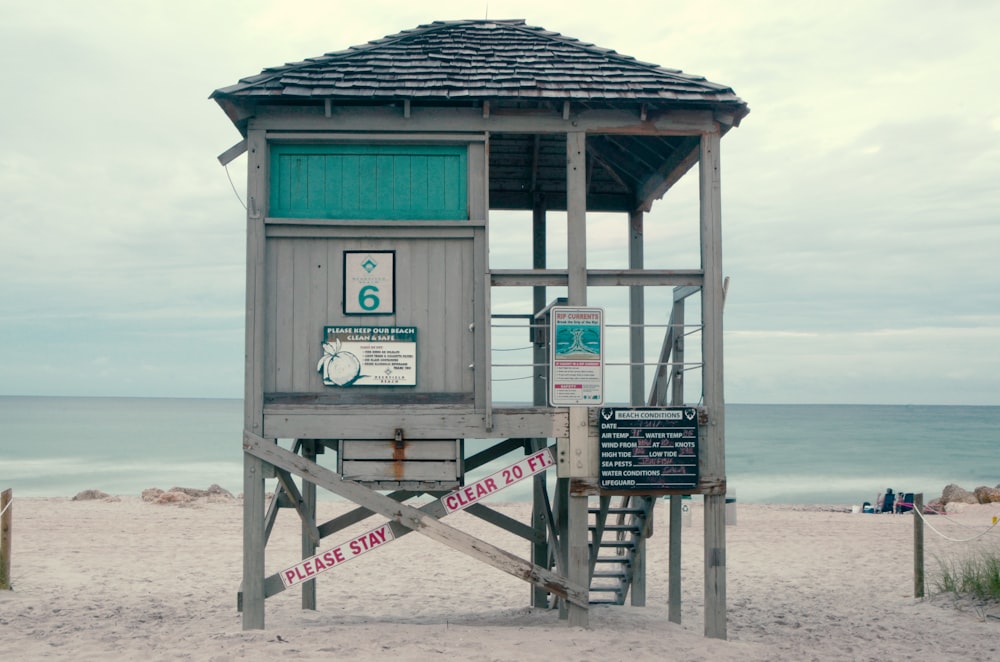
(373, 332)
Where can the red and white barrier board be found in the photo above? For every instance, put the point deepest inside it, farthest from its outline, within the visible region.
(340, 554)
(452, 502)
(464, 497)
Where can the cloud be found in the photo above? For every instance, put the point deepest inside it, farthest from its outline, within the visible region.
(860, 204)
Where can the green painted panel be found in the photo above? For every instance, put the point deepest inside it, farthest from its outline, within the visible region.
(386, 182)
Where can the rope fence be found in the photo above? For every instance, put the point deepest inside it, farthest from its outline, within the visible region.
(919, 522)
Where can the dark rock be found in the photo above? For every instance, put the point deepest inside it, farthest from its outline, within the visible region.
(91, 495)
(986, 494)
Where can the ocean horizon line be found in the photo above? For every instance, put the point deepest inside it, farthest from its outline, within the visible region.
(512, 403)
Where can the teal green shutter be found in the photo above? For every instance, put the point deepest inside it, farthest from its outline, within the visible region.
(386, 182)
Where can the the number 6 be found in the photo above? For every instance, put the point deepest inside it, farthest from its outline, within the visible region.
(368, 298)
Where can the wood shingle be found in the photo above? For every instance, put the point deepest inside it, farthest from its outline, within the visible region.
(527, 86)
(487, 59)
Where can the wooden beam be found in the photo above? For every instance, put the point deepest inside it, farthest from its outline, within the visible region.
(665, 177)
(252, 593)
(576, 543)
(599, 277)
(6, 531)
(316, 421)
(471, 463)
(310, 532)
(637, 313)
(298, 502)
(501, 120)
(712, 460)
(504, 522)
(674, 560)
(591, 487)
(233, 152)
(416, 520)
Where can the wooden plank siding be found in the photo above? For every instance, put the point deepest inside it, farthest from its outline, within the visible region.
(405, 182)
(434, 293)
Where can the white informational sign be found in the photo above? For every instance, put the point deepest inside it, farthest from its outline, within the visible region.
(576, 371)
(369, 356)
(452, 502)
(369, 282)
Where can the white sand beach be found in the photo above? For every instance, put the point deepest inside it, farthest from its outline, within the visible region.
(124, 579)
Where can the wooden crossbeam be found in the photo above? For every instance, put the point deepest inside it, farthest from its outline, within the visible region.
(471, 464)
(299, 503)
(414, 519)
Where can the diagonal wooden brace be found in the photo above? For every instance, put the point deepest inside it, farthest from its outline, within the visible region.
(414, 519)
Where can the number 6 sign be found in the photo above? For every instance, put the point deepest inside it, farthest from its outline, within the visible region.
(369, 282)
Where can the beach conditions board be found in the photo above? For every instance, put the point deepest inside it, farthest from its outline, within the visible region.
(648, 448)
(452, 502)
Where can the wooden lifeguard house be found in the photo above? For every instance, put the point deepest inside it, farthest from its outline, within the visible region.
(370, 334)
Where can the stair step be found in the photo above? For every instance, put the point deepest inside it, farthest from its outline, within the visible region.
(608, 602)
(605, 589)
(614, 559)
(609, 575)
(619, 511)
(617, 544)
(618, 527)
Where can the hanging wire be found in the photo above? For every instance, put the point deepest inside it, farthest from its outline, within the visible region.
(237, 193)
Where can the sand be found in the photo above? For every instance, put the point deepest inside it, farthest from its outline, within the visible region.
(123, 579)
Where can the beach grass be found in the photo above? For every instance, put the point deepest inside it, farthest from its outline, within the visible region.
(977, 576)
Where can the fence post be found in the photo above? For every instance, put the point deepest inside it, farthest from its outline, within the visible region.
(6, 517)
(918, 545)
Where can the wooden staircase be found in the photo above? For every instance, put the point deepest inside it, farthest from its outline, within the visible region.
(618, 529)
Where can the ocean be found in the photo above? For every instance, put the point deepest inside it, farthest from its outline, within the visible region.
(806, 454)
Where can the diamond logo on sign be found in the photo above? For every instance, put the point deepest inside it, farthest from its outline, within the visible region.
(369, 282)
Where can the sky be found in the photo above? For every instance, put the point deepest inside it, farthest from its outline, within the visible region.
(860, 197)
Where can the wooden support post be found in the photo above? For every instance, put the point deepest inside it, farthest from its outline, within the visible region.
(918, 545)
(578, 552)
(540, 525)
(309, 530)
(562, 542)
(674, 560)
(577, 529)
(254, 536)
(6, 527)
(637, 383)
(713, 456)
(637, 314)
(253, 543)
(676, 502)
(540, 507)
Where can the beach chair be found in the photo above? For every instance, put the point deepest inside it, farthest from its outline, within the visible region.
(886, 502)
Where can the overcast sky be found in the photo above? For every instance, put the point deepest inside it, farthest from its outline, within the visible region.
(861, 196)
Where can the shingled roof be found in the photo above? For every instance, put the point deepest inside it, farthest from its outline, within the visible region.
(481, 59)
(506, 66)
